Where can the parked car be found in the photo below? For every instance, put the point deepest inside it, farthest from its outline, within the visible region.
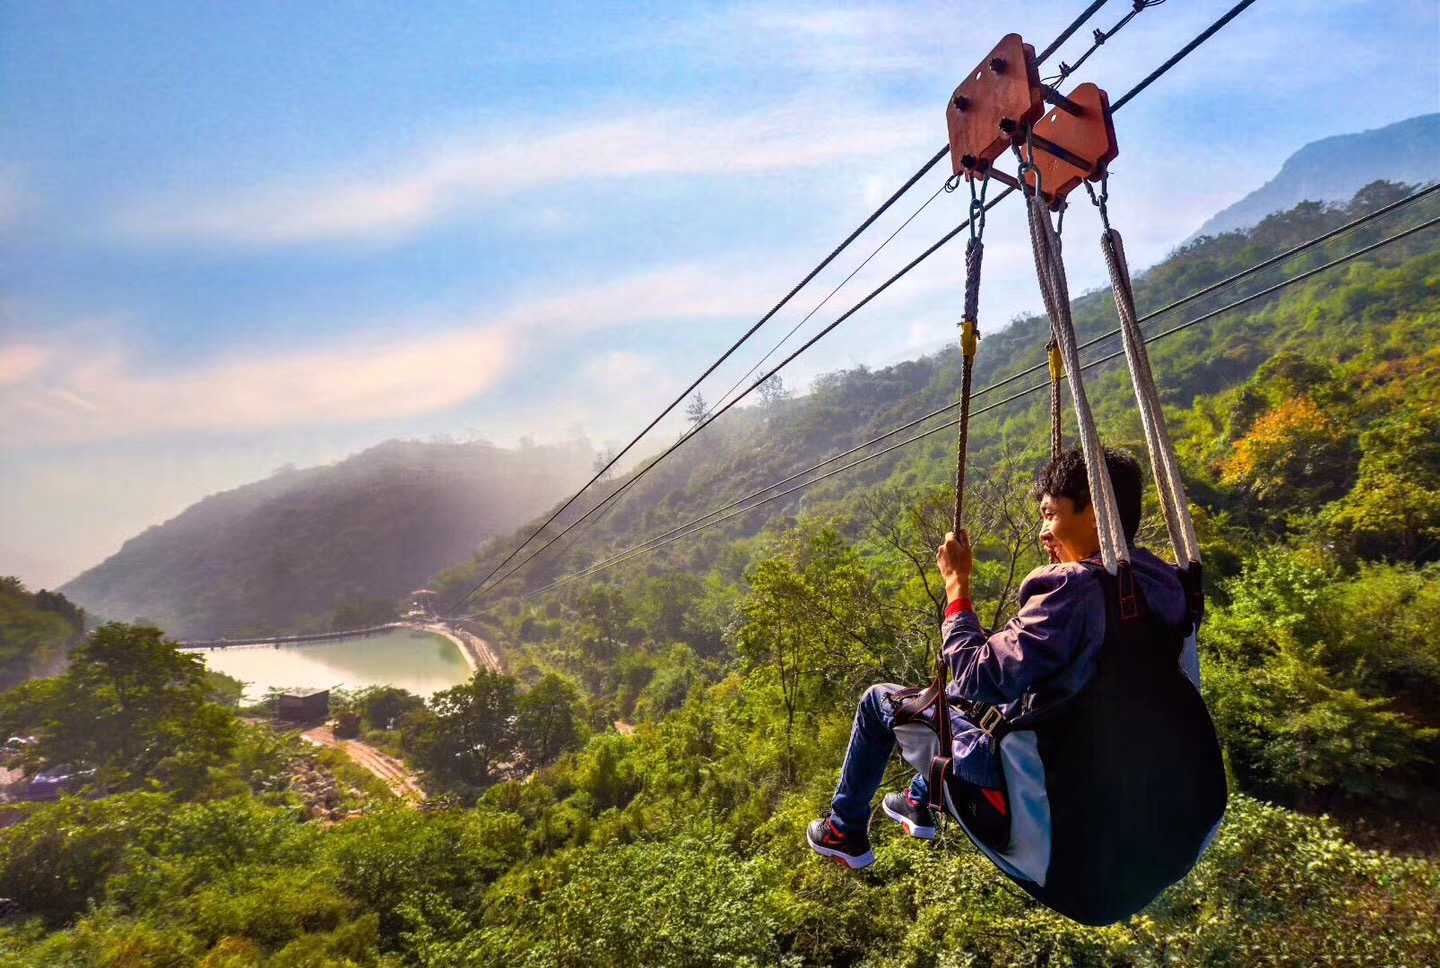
(55, 780)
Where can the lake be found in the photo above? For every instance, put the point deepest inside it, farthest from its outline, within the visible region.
(420, 662)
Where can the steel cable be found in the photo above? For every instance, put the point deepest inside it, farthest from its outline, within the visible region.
(924, 169)
(1151, 78)
(1223, 285)
(696, 526)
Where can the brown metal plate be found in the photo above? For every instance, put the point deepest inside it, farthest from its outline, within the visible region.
(1005, 87)
(1089, 138)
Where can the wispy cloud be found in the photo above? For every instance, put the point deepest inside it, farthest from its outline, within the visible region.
(57, 400)
(686, 291)
(22, 361)
(48, 397)
(844, 45)
(620, 369)
(459, 177)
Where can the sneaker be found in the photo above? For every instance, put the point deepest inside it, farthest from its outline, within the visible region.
(827, 840)
(917, 818)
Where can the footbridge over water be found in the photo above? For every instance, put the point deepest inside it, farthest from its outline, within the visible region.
(477, 652)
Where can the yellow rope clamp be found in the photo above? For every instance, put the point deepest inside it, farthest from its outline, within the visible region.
(969, 338)
(1057, 365)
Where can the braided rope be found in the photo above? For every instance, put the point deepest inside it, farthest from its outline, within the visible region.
(1045, 244)
(969, 340)
(1157, 436)
(1057, 370)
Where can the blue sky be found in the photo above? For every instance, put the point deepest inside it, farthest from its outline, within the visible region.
(234, 236)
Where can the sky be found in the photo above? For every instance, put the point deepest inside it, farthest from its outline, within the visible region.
(239, 236)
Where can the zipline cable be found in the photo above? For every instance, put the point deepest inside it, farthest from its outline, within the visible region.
(821, 304)
(1339, 231)
(1154, 75)
(884, 207)
(999, 403)
(1065, 34)
(1101, 36)
(1182, 53)
(613, 499)
(1138, 6)
(722, 410)
(681, 532)
(1074, 25)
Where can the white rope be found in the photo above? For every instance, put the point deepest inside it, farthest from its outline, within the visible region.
(1045, 243)
(1157, 436)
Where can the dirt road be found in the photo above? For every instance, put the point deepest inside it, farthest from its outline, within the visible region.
(400, 780)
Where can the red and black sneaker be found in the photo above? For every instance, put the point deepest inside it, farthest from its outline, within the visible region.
(917, 818)
(828, 840)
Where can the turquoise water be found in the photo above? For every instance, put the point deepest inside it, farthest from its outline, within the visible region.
(420, 662)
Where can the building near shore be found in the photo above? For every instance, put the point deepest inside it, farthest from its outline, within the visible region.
(422, 604)
(303, 706)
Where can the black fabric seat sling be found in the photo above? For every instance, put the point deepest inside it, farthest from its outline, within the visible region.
(1132, 770)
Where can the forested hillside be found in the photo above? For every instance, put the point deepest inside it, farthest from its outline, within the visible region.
(635, 790)
(1332, 169)
(751, 448)
(290, 550)
(37, 629)
(1308, 424)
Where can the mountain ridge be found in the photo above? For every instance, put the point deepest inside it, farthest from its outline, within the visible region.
(1327, 171)
(285, 549)
(826, 423)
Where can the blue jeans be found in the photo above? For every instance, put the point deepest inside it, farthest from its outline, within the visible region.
(871, 741)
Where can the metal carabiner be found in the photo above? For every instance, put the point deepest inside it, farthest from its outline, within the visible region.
(1101, 201)
(977, 207)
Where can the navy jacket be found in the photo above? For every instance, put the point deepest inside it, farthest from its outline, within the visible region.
(1047, 651)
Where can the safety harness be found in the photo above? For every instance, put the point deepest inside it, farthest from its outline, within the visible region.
(1111, 794)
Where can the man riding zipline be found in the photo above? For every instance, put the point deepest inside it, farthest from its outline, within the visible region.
(1046, 655)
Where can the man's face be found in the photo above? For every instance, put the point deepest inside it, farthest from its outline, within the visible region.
(1068, 535)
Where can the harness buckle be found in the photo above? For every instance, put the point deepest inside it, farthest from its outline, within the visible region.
(1129, 608)
(992, 720)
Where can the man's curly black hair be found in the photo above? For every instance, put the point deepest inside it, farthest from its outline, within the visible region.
(1065, 476)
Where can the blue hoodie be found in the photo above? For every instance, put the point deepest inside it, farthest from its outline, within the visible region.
(1047, 651)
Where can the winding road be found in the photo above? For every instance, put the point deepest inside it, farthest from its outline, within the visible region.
(400, 780)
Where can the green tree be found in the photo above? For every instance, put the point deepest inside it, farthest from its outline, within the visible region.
(131, 704)
(1298, 697)
(773, 392)
(605, 608)
(548, 722)
(665, 604)
(814, 623)
(696, 409)
(59, 861)
(471, 734)
(678, 903)
(35, 631)
(47, 601)
(383, 707)
(1391, 512)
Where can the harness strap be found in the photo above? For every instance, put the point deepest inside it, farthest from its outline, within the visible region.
(939, 766)
(985, 716)
(913, 705)
(1132, 608)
